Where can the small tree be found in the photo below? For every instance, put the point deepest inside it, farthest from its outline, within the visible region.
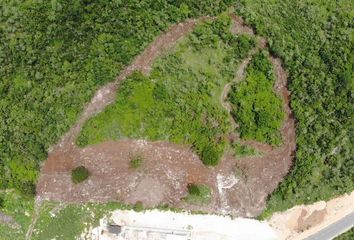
(79, 174)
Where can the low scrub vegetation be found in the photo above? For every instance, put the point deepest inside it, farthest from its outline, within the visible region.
(179, 101)
(256, 107)
(198, 194)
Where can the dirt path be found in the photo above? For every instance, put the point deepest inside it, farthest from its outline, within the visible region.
(36, 212)
(240, 186)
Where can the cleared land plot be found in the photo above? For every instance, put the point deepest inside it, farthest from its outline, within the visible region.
(239, 187)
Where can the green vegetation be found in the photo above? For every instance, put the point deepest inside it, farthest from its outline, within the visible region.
(179, 101)
(348, 235)
(198, 194)
(243, 150)
(55, 54)
(136, 162)
(315, 40)
(73, 219)
(256, 107)
(20, 208)
(79, 174)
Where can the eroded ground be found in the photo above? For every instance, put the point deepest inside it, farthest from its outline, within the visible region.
(240, 186)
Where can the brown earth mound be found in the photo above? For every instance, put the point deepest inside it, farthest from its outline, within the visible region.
(240, 187)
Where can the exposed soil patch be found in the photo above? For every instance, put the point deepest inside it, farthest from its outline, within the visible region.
(162, 178)
(239, 26)
(239, 187)
(9, 221)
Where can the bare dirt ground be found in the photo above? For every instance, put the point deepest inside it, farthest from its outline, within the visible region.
(240, 186)
(302, 221)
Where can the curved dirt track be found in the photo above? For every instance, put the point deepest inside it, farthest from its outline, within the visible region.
(240, 186)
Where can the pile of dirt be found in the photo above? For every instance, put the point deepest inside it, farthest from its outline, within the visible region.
(302, 221)
(240, 186)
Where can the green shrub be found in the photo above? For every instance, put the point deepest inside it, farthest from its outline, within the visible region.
(79, 174)
(211, 154)
(198, 194)
(256, 107)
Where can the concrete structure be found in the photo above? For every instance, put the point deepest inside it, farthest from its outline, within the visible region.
(158, 225)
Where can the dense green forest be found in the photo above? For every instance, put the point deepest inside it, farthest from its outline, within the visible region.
(179, 101)
(55, 54)
(315, 40)
(256, 107)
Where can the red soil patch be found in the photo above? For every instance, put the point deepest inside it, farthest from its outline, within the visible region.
(240, 186)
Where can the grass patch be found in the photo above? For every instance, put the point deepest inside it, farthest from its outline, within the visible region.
(73, 219)
(243, 150)
(136, 162)
(20, 208)
(198, 194)
(256, 107)
(179, 101)
(79, 174)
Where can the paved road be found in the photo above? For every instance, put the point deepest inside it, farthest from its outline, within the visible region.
(334, 229)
